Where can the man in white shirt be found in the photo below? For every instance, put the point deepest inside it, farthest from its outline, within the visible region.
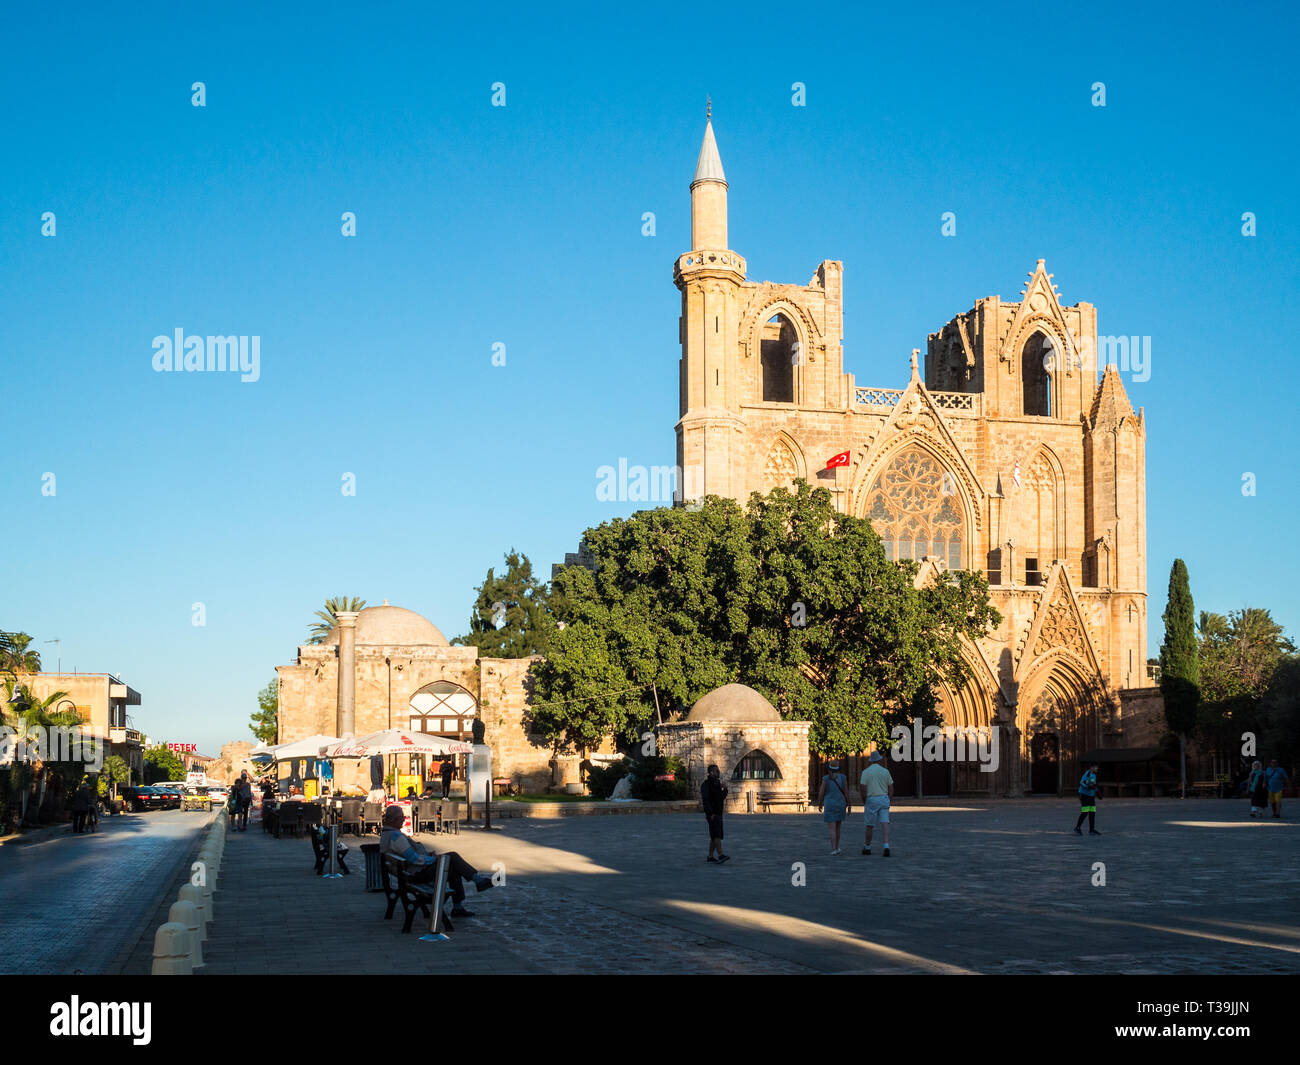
(877, 789)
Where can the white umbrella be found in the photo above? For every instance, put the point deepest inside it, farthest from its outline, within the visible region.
(310, 747)
(396, 741)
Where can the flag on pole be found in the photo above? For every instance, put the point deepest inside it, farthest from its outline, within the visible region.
(842, 459)
(1015, 474)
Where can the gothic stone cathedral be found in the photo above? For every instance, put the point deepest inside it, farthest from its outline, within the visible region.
(1007, 456)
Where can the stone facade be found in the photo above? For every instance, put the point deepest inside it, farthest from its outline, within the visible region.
(1010, 455)
(406, 675)
(725, 743)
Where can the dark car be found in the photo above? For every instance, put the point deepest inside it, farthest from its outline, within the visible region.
(142, 798)
(173, 796)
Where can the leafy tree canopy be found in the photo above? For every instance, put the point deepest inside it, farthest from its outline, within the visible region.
(160, 763)
(512, 617)
(265, 723)
(786, 595)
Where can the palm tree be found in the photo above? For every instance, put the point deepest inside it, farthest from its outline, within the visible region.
(321, 629)
(23, 716)
(16, 653)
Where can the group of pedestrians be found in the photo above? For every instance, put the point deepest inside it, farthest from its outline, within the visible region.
(877, 784)
(240, 802)
(1265, 787)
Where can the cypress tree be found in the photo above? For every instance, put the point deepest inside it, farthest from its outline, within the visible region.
(1180, 670)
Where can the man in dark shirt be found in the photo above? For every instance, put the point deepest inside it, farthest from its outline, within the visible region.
(713, 795)
(446, 771)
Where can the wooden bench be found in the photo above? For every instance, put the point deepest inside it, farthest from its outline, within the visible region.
(413, 897)
(768, 799)
(1204, 787)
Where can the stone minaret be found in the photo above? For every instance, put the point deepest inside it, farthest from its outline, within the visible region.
(710, 277)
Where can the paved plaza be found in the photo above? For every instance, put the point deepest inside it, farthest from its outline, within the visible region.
(972, 887)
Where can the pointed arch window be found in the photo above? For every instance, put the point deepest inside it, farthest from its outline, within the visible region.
(1037, 361)
(915, 511)
(780, 348)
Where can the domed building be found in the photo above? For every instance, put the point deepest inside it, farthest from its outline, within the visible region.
(389, 667)
(763, 759)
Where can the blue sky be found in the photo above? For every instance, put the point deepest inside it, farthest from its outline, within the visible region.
(521, 225)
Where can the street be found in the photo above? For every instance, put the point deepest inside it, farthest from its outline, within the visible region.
(80, 903)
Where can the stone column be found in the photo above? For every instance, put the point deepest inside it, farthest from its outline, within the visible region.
(347, 626)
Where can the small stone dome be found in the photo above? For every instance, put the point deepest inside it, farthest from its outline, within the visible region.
(733, 702)
(393, 626)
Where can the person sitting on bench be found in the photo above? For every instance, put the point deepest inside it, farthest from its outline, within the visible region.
(421, 866)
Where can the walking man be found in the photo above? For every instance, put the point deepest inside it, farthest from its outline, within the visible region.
(245, 792)
(1277, 780)
(713, 795)
(877, 789)
(1088, 801)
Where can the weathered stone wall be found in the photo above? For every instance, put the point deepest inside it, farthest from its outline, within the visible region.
(1142, 717)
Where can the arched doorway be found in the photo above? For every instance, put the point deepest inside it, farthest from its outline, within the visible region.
(1061, 723)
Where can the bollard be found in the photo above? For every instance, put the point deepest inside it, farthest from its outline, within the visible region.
(190, 893)
(184, 913)
(171, 954)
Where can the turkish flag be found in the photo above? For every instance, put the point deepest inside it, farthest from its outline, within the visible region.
(842, 459)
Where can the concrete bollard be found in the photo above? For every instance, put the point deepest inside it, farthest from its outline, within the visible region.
(184, 913)
(171, 953)
(190, 893)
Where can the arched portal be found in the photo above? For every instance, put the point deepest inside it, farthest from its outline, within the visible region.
(1061, 713)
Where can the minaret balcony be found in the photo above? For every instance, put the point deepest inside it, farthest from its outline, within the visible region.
(708, 260)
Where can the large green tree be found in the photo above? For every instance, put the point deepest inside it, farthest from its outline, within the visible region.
(786, 595)
(511, 617)
(321, 629)
(265, 723)
(1239, 657)
(162, 763)
(1179, 662)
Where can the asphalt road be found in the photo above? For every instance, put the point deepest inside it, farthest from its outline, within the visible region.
(79, 903)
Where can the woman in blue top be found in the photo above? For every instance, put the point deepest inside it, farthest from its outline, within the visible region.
(1088, 801)
(833, 799)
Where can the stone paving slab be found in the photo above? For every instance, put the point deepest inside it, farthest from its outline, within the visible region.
(972, 887)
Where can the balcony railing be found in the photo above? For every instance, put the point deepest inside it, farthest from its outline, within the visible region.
(887, 399)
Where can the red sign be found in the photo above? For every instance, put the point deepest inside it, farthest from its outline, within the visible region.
(842, 459)
(183, 748)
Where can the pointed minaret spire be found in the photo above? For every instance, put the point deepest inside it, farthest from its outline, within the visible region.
(709, 192)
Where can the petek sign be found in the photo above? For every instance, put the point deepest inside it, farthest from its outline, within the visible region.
(183, 748)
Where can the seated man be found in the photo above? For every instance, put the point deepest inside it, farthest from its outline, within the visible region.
(421, 866)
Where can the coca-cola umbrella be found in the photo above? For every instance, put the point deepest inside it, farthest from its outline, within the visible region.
(395, 741)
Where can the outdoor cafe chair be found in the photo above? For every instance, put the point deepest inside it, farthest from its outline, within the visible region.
(290, 818)
(371, 815)
(350, 815)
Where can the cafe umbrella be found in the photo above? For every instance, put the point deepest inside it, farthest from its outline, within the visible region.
(395, 741)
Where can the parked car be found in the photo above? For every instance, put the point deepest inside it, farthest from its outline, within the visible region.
(219, 795)
(140, 799)
(172, 795)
